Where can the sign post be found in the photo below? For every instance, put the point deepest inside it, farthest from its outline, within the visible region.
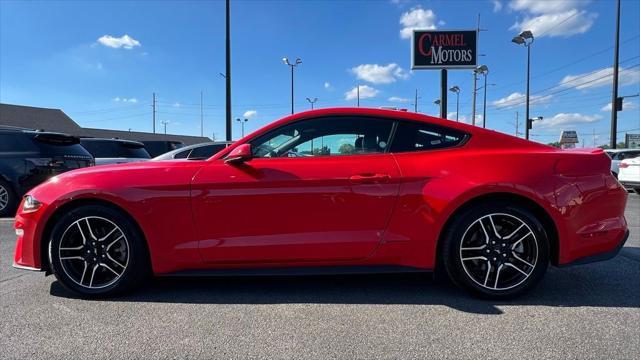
(444, 49)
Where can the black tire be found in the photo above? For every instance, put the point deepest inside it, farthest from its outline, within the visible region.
(9, 199)
(129, 250)
(637, 190)
(467, 228)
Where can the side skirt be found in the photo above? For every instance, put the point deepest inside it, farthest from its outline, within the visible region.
(301, 271)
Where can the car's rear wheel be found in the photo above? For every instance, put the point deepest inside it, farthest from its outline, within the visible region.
(496, 250)
(8, 199)
(97, 251)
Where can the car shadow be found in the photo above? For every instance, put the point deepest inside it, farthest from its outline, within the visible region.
(613, 283)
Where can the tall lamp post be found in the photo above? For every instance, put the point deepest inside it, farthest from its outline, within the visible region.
(526, 38)
(292, 66)
(312, 101)
(437, 103)
(242, 121)
(484, 70)
(455, 89)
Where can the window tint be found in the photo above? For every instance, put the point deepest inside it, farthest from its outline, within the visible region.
(414, 136)
(14, 141)
(182, 154)
(628, 155)
(114, 149)
(205, 152)
(325, 137)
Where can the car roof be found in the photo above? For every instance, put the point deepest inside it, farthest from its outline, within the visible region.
(170, 154)
(137, 143)
(620, 150)
(489, 136)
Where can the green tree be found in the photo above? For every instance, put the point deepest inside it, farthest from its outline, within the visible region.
(346, 149)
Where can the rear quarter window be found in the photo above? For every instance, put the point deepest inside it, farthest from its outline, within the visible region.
(114, 149)
(414, 136)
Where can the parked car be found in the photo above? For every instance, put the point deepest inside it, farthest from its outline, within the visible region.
(629, 174)
(156, 148)
(618, 155)
(115, 151)
(384, 191)
(28, 158)
(194, 152)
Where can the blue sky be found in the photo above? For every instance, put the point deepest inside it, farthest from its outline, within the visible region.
(101, 61)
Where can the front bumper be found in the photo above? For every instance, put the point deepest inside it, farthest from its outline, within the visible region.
(602, 256)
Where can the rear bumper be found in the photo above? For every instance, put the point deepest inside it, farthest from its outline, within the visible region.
(602, 256)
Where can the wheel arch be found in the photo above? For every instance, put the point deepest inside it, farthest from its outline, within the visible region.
(542, 214)
(70, 205)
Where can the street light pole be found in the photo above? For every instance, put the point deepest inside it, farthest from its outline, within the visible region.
(242, 121)
(294, 65)
(312, 101)
(526, 38)
(455, 89)
(484, 70)
(227, 76)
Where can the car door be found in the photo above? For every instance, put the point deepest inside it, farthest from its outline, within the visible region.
(316, 190)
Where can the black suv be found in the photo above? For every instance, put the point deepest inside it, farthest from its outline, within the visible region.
(28, 158)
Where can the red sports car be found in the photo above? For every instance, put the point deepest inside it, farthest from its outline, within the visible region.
(332, 191)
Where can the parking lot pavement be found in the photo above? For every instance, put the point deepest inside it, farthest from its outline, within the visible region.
(588, 311)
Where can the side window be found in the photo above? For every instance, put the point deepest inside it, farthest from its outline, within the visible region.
(182, 154)
(205, 152)
(415, 136)
(331, 136)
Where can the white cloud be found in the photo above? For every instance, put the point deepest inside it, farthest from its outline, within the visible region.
(379, 74)
(398, 99)
(517, 99)
(176, 104)
(125, 41)
(601, 77)
(417, 18)
(250, 114)
(566, 120)
(127, 100)
(366, 92)
(497, 5)
(546, 6)
(553, 17)
(626, 105)
(327, 85)
(462, 118)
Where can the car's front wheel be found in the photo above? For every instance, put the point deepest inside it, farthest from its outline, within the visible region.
(496, 250)
(97, 251)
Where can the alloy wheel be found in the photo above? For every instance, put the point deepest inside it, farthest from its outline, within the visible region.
(498, 251)
(94, 252)
(4, 197)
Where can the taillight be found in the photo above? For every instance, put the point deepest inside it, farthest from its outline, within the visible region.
(623, 165)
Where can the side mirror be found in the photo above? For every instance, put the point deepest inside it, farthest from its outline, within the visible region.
(239, 155)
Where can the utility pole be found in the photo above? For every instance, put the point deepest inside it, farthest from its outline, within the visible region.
(228, 73)
(201, 117)
(164, 122)
(517, 124)
(153, 104)
(614, 93)
(415, 102)
(358, 92)
(594, 137)
(443, 93)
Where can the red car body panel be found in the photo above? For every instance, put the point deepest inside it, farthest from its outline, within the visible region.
(323, 211)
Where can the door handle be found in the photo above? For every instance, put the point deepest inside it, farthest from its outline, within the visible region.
(369, 178)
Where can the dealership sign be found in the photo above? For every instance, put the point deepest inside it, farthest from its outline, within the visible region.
(444, 49)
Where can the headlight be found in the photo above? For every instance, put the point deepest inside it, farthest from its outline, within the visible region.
(30, 204)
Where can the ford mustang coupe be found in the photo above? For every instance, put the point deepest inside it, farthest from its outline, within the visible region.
(338, 190)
